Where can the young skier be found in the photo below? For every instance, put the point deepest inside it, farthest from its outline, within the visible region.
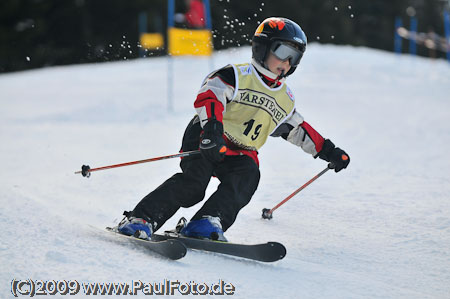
(238, 107)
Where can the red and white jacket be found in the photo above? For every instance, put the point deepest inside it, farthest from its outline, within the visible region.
(218, 88)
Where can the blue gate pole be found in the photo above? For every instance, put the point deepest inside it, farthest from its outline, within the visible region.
(412, 40)
(170, 24)
(170, 13)
(208, 14)
(447, 32)
(209, 26)
(142, 20)
(397, 37)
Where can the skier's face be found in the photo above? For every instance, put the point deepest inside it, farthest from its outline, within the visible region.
(276, 65)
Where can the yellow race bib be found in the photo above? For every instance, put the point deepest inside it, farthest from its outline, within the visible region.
(256, 109)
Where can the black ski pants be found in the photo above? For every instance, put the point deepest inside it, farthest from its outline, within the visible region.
(238, 175)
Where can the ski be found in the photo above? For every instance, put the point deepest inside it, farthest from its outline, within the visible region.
(170, 248)
(265, 252)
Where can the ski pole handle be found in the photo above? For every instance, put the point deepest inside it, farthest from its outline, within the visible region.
(332, 166)
(86, 170)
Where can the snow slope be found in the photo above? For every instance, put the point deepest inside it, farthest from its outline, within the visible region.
(380, 229)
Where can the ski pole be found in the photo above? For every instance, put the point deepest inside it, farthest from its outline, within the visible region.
(267, 214)
(86, 170)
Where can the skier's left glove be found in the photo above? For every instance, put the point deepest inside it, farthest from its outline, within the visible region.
(212, 144)
(339, 158)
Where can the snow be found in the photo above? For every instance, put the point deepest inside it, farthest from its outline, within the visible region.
(380, 229)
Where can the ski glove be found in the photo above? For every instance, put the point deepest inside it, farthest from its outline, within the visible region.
(339, 158)
(212, 144)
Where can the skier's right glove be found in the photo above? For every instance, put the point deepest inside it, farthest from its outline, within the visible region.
(212, 144)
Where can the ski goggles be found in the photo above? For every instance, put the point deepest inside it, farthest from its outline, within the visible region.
(284, 51)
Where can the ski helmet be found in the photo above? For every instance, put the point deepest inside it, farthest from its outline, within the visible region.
(276, 29)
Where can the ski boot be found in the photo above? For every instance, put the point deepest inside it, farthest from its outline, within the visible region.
(207, 227)
(136, 227)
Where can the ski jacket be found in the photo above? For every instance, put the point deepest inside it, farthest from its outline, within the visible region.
(251, 110)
